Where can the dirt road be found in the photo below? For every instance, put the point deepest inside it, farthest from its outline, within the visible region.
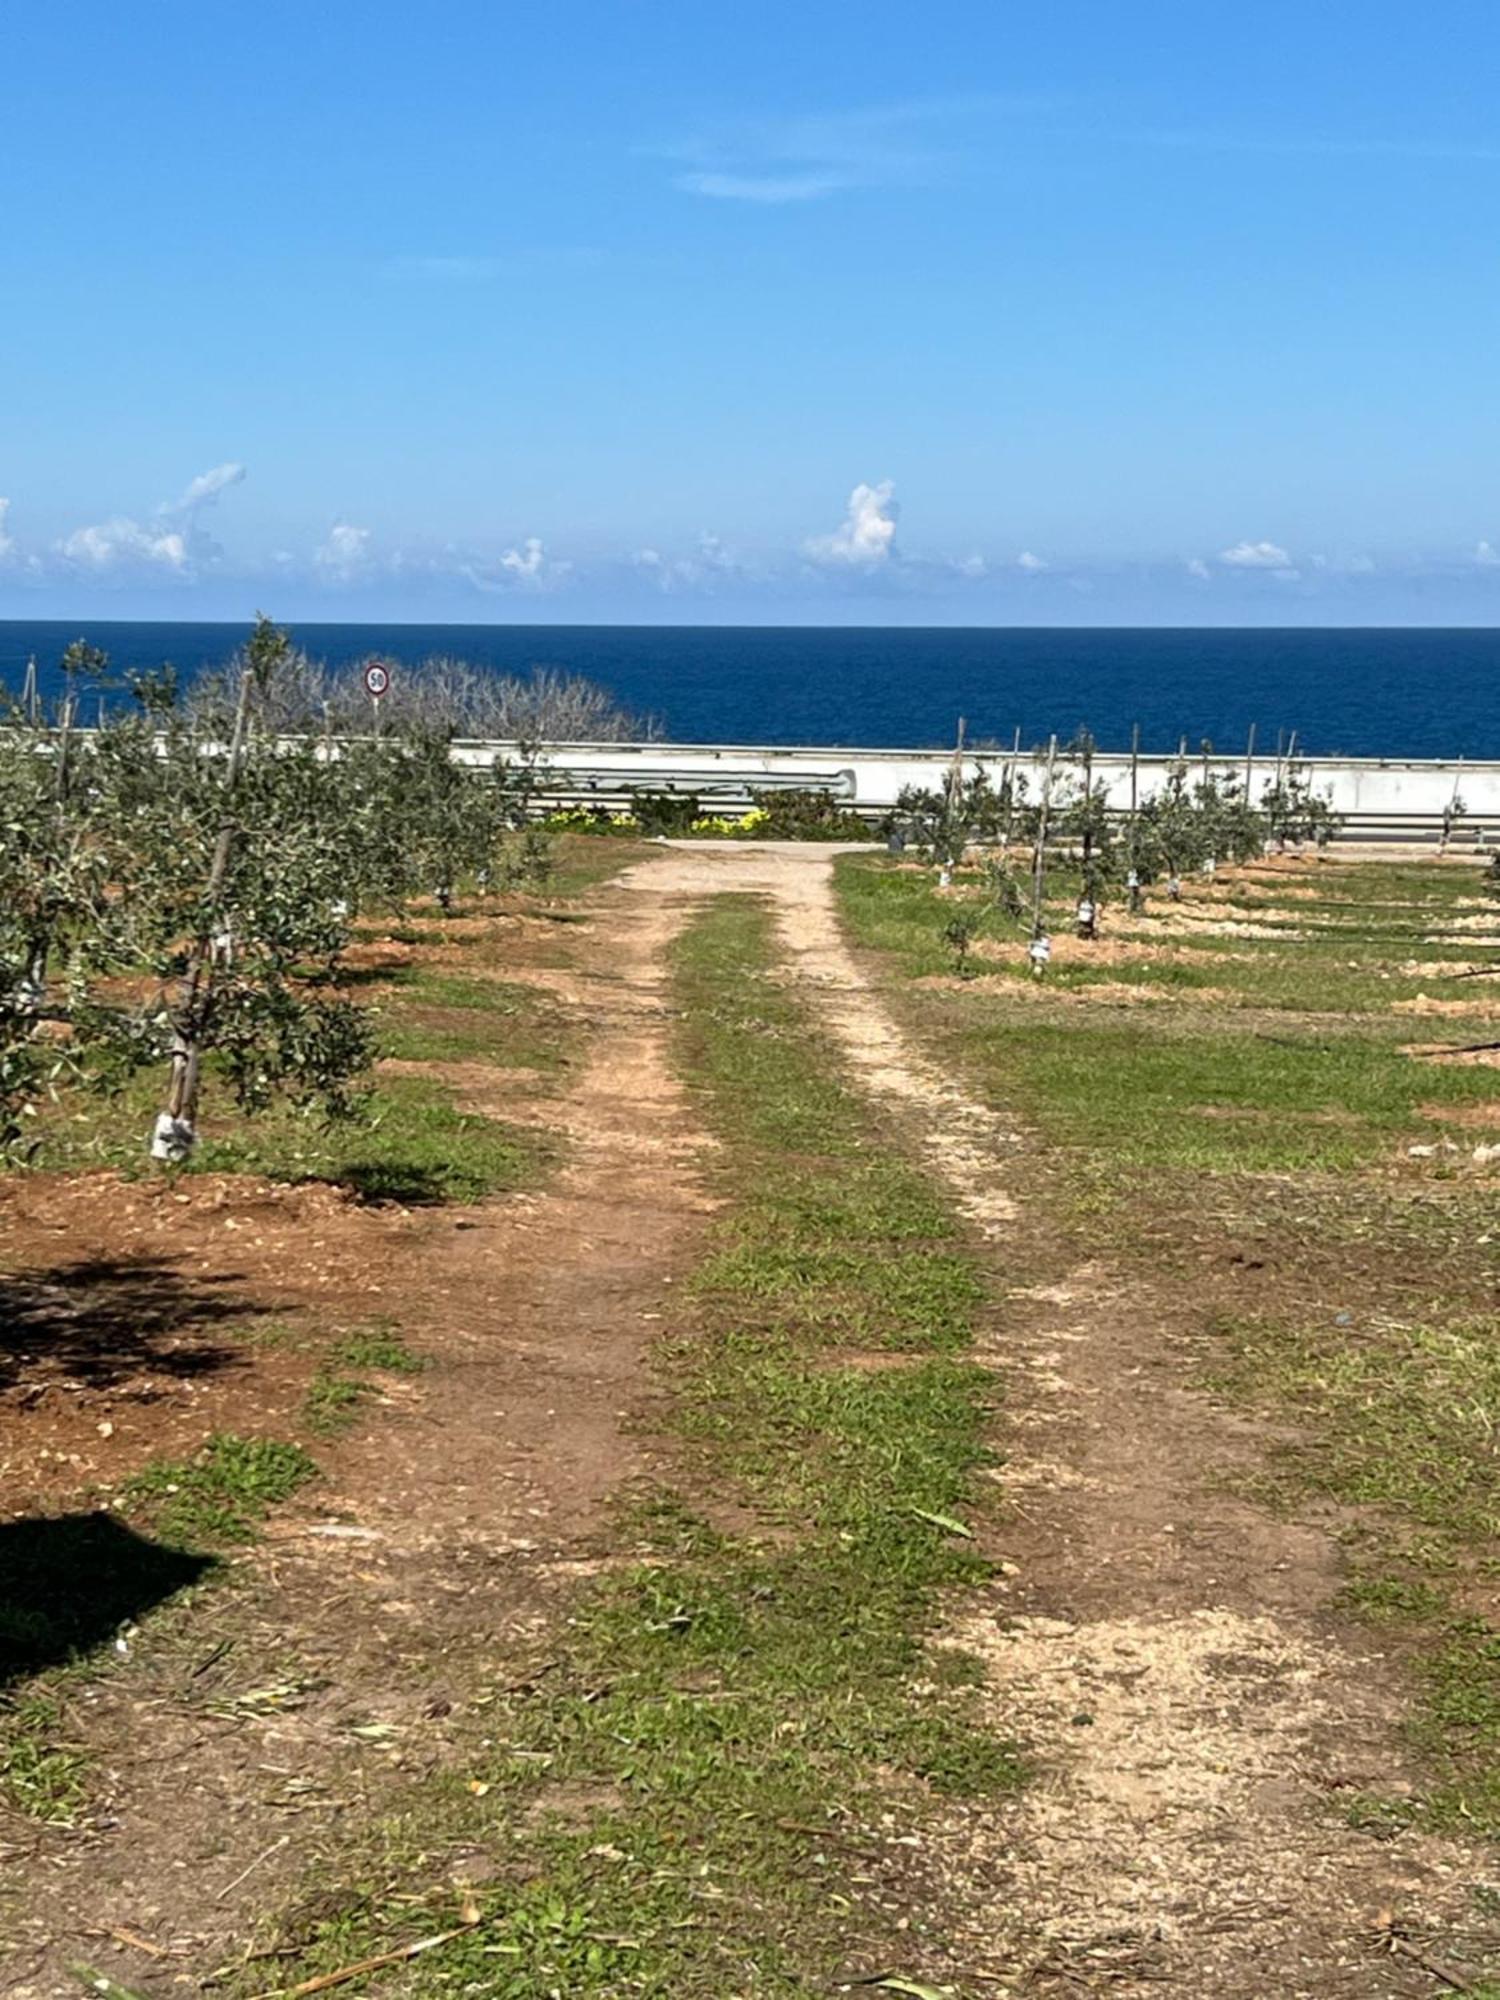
(1192, 1710)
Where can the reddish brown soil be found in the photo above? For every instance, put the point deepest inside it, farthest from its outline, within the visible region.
(435, 1539)
(147, 1315)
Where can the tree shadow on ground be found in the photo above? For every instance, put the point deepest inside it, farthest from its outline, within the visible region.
(99, 1321)
(69, 1582)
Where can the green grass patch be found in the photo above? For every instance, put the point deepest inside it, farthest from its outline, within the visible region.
(220, 1496)
(381, 1346)
(333, 1402)
(412, 1143)
(41, 1774)
(342, 1386)
(442, 1016)
(416, 1147)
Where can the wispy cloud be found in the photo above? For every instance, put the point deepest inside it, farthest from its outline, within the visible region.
(205, 489)
(1033, 565)
(443, 270)
(1313, 145)
(768, 188)
(1486, 556)
(712, 564)
(866, 537)
(810, 156)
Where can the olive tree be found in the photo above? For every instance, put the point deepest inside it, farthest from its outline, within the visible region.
(239, 912)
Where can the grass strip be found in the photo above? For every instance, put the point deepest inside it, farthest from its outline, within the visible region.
(715, 1780)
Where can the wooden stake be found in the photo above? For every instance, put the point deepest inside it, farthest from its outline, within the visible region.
(1010, 793)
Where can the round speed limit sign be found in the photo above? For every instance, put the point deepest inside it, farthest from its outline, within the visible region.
(377, 680)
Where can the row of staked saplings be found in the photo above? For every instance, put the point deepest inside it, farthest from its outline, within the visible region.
(178, 885)
(1199, 816)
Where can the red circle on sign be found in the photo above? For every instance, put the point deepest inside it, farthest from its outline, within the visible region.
(377, 679)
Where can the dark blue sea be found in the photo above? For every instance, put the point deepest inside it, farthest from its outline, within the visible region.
(1357, 692)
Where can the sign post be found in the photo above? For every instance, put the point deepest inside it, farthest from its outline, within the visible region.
(377, 682)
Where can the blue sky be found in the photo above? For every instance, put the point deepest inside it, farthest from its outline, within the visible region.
(968, 313)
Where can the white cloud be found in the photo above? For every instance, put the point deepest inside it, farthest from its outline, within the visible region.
(714, 555)
(971, 567)
(710, 564)
(1197, 567)
(1256, 555)
(171, 540)
(206, 488)
(346, 553)
(1486, 556)
(1033, 565)
(866, 537)
(7, 540)
(117, 543)
(528, 564)
(528, 567)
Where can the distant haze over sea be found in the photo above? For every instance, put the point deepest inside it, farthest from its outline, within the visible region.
(1361, 691)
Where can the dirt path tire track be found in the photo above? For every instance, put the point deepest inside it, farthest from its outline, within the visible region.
(1169, 1653)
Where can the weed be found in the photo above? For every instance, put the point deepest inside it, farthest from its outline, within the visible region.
(380, 1346)
(41, 1775)
(332, 1402)
(218, 1497)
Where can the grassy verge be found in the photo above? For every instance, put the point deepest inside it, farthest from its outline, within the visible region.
(1257, 1148)
(713, 1778)
(412, 1144)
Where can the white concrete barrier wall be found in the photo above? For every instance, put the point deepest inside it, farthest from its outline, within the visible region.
(1381, 797)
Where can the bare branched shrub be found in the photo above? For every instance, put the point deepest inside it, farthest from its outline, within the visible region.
(442, 696)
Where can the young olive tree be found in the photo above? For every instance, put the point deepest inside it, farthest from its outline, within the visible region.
(1296, 813)
(65, 875)
(240, 910)
(1083, 823)
(1232, 828)
(461, 824)
(943, 822)
(1170, 836)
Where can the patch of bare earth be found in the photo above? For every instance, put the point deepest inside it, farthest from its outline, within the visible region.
(1097, 993)
(1194, 1711)
(439, 1539)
